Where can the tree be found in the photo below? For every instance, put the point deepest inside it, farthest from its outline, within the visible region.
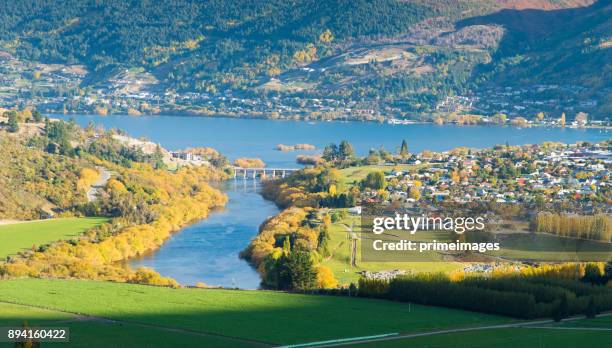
(325, 278)
(562, 309)
(296, 271)
(26, 115)
(158, 158)
(591, 309)
(13, 122)
(404, 149)
(562, 120)
(375, 181)
(593, 274)
(345, 150)
(330, 153)
(326, 36)
(415, 193)
(608, 271)
(38, 117)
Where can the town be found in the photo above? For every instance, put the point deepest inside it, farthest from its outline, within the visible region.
(550, 172)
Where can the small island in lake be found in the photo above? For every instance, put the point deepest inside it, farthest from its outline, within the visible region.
(287, 148)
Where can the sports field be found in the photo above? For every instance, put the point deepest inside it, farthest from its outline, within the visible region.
(20, 236)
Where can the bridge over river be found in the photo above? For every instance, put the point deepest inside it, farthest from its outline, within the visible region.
(253, 173)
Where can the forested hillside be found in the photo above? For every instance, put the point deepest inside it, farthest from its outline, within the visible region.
(400, 56)
(47, 171)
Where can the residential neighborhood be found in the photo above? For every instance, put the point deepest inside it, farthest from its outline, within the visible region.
(551, 172)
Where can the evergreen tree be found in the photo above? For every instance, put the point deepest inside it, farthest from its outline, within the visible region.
(591, 310)
(404, 149)
(13, 122)
(158, 158)
(37, 116)
(562, 309)
(296, 271)
(345, 150)
(330, 153)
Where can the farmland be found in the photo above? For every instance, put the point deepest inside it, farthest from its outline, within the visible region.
(20, 236)
(505, 337)
(250, 316)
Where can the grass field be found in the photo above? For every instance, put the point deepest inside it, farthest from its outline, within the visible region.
(504, 338)
(19, 236)
(264, 316)
(340, 264)
(93, 333)
(352, 174)
(545, 247)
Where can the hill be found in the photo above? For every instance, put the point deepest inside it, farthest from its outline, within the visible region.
(384, 56)
(258, 317)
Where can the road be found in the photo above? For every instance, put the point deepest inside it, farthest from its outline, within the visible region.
(94, 190)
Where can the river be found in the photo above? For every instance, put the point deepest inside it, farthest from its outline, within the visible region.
(208, 250)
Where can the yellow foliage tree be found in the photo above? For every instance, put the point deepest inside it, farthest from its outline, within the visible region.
(326, 278)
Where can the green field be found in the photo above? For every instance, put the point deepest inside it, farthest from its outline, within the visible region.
(352, 174)
(551, 248)
(21, 236)
(99, 333)
(251, 316)
(504, 338)
(340, 247)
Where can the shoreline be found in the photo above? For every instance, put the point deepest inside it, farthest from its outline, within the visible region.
(301, 119)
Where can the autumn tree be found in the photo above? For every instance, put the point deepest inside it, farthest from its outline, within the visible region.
(562, 120)
(326, 36)
(415, 193)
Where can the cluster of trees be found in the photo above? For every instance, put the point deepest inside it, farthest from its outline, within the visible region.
(36, 184)
(14, 117)
(311, 187)
(595, 227)
(249, 162)
(339, 153)
(556, 291)
(288, 249)
(148, 204)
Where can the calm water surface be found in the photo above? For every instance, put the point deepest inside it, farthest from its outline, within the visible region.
(257, 138)
(208, 250)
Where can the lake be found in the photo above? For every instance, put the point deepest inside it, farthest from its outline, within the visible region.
(208, 250)
(258, 138)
